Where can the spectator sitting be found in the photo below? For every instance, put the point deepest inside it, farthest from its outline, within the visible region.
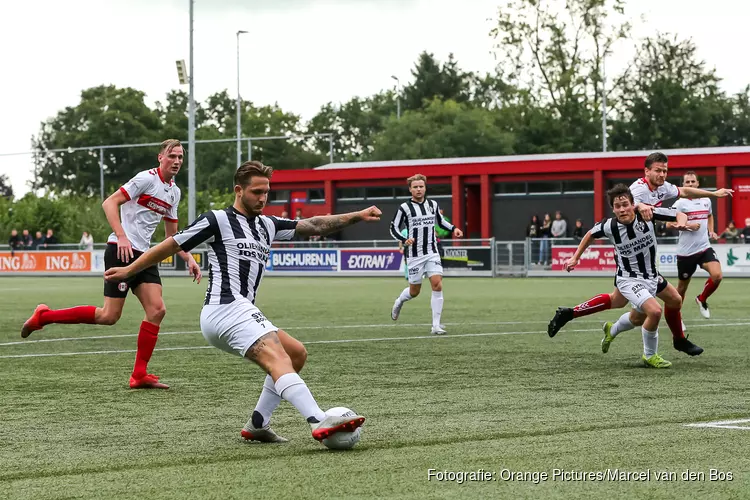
(27, 240)
(38, 241)
(87, 242)
(578, 232)
(50, 239)
(745, 233)
(559, 226)
(14, 242)
(731, 233)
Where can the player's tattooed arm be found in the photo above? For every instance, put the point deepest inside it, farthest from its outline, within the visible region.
(326, 224)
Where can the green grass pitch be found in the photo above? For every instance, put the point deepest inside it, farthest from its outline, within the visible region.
(495, 394)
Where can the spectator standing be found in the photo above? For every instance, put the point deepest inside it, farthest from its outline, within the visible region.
(38, 241)
(50, 239)
(731, 234)
(87, 242)
(27, 240)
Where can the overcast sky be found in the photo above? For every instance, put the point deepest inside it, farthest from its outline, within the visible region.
(299, 53)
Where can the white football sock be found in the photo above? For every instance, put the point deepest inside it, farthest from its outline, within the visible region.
(405, 296)
(268, 401)
(650, 342)
(437, 307)
(292, 388)
(622, 325)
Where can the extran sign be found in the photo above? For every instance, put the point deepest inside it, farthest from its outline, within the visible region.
(371, 260)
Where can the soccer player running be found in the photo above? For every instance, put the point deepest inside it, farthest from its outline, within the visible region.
(648, 192)
(694, 249)
(419, 216)
(239, 239)
(635, 242)
(134, 212)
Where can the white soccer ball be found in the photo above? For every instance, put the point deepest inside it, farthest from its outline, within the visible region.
(342, 440)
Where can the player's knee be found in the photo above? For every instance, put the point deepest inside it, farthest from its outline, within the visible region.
(156, 313)
(437, 287)
(298, 357)
(674, 301)
(716, 278)
(414, 291)
(654, 314)
(109, 318)
(636, 319)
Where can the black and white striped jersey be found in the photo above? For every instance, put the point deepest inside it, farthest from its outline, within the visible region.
(239, 248)
(419, 219)
(635, 243)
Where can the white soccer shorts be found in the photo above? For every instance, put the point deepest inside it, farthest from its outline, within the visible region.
(234, 327)
(428, 265)
(637, 290)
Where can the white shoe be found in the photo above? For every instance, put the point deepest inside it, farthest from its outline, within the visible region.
(684, 328)
(438, 330)
(333, 424)
(264, 434)
(396, 309)
(703, 308)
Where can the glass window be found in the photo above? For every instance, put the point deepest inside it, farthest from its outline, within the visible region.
(510, 188)
(316, 195)
(545, 187)
(379, 192)
(434, 190)
(281, 196)
(350, 194)
(402, 192)
(581, 186)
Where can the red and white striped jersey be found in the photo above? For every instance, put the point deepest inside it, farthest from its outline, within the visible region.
(150, 200)
(697, 210)
(642, 192)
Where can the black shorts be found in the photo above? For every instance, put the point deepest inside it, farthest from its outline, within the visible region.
(686, 266)
(661, 283)
(120, 290)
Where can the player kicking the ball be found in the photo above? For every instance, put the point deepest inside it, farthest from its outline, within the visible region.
(143, 202)
(421, 255)
(636, 278)
(239, 239)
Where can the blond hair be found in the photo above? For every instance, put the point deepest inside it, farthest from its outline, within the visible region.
(168, 145)
(249, 169)
(416, 177)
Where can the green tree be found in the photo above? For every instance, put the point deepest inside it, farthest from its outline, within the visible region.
(556, 58)
(443, 130)
(433, 80)
(6, 190)
(671, 100)
(354, 124)
(106, 115)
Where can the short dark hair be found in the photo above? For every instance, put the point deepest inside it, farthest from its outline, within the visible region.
(247, 170)
(655, 158)
(617, 191)
(690, 172)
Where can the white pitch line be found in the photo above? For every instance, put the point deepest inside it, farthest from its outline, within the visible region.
(723, 424)
(329, 327)
(335, 341)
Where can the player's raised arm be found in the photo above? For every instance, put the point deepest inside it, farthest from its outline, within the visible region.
(691, 192)
(325, 224)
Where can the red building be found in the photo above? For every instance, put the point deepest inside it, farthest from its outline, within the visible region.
(484, 194)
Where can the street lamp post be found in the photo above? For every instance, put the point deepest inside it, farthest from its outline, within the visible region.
(239, 103)
(398, 96)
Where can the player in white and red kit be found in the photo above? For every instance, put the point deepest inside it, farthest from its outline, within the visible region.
(143, 202)
(694, 249)
(650, 191)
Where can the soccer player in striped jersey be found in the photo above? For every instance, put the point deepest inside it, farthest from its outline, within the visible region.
(239, 239)
(419, 216)
(648, 192)
(636, 278)
(134, 212)
(694, 249)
